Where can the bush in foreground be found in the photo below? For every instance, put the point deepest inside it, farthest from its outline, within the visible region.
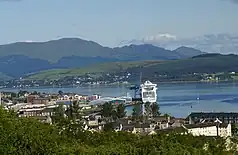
(28, 136)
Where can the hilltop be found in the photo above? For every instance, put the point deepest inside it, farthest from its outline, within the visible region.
(206, 63)
(23, 58)
(55, 50)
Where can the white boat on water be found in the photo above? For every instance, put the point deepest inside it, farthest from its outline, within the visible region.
(148, 92)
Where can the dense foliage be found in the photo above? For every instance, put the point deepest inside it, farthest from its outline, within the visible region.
(28, 136)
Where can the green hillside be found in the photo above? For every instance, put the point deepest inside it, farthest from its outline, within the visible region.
(98, 69)
(208, 63)
(4, 77)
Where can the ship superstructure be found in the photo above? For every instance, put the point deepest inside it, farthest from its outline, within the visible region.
(148, 92)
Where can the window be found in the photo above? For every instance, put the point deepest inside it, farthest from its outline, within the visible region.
(149, 94)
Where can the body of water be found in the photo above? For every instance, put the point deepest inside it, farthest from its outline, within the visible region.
(176, 99)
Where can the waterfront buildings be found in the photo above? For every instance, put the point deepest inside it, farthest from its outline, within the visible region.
(225, 117)
(209, 129)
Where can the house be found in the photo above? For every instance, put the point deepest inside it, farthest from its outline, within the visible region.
(180, 130)
(144, 127)
(127, 128)
(44, 119)
(48, 111)
(53, 96)
(133, 127)
(17, 106)
(209, 129)
(30, 98)
(30, 112)
(6, 94)
(93, 125)
(84, 98)
(160, 121)
(198, 117)
(94, 122)
(94, 97)
(76, 97)
(65, 97)
(85, 106)
(40, 101)
(176, 122)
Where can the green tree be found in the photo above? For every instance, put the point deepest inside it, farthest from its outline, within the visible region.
(73, 111)
(35, 93)
(234, 129)
(60, 92)
(107, 109)
(108, 127)
(13, 95)
(155, 109)
(136, 112)
(167, 115)
(29, 136)
(121, 111)
(148, 109)
(59, 114)
(21, 93)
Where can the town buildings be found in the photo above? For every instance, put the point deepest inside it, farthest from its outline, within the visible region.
(42, 107)
(198, 117)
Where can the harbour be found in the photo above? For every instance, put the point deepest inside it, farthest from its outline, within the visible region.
(177, 99)
(95, 112)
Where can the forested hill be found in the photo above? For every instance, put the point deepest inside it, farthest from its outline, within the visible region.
(55, 50)
(207, 63)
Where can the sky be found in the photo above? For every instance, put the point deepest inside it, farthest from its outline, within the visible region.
(108, 22)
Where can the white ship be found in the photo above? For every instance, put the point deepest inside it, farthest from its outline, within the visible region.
(148, 92)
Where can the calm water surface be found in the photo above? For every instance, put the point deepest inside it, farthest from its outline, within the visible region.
(176, 99)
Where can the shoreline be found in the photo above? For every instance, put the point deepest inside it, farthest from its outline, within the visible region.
(222, 81)
(119, 84)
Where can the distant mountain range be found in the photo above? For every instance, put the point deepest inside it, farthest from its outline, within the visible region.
(21, 58)
(220, 43)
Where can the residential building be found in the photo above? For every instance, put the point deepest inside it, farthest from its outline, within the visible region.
(40, 101)
(43, 119)
(209, 129)
(30, 98)
(198, 117)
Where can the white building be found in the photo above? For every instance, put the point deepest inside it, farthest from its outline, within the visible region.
(209, 129)
(148, 92)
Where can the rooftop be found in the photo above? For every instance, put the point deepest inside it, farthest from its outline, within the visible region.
(213, 114)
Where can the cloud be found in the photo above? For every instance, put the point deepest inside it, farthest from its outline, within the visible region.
(28, 41)
(211, 43)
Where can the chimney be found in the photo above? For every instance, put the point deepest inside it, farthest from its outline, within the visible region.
(120, 127)
(190, 120)
(168, 119)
